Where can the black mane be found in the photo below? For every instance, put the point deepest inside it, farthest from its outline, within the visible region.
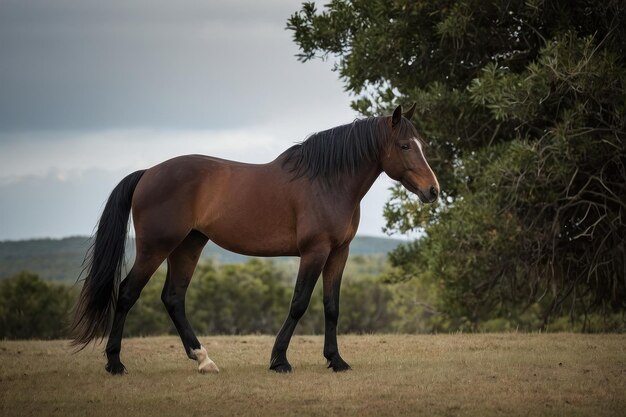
(342, 149)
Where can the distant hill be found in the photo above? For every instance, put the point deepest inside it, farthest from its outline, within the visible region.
(61, 259)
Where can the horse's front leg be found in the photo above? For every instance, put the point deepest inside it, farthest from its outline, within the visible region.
(311, 264)
(333, 272)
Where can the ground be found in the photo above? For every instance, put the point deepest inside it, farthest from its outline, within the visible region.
(430, 375)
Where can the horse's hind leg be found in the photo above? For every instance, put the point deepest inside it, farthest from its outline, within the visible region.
(180, 266)
(129, 292)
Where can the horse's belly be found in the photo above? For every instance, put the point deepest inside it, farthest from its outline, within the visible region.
(253, 243)
(256, 231)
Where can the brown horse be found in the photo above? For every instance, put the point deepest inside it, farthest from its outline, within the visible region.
(304, 203)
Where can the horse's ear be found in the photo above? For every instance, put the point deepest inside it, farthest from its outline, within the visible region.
(397, 116)
(409, 112)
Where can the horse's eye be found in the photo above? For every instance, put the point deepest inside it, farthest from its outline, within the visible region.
(404, 146)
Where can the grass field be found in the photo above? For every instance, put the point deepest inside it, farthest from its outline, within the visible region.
(439, 375)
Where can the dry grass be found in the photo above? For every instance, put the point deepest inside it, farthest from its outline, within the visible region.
(442, 375)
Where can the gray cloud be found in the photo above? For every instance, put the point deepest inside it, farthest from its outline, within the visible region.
(77, 64)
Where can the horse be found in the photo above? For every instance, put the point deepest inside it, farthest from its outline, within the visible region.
(305, 203)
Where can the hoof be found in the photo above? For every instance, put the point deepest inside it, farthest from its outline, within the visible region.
(116, 368)
(281, 368)
(205, 364)
(339, 365)
(208, 368)
(279, 362)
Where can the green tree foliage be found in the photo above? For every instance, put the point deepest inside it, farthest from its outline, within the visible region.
(32, 308)
(522, 106)
(366, 306)
(238, 299)
(254, 298)
(251, 297)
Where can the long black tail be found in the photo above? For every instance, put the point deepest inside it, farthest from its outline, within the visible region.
(94, 311)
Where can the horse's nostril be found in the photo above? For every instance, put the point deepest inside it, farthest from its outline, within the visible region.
(433, 192)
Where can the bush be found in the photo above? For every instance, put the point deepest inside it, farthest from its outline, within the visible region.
(32, 308)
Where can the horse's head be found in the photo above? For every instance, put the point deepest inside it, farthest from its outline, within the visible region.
(404, 160)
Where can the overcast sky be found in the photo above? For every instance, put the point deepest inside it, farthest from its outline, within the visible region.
(92, 90)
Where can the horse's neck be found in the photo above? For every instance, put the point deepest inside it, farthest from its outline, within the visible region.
(358, 185)
(352, 186)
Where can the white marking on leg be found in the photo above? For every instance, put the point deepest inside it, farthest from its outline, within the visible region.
(205, 364)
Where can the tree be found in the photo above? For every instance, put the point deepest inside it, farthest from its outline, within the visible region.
(238, 299)
(32, 308)
(522, 106)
